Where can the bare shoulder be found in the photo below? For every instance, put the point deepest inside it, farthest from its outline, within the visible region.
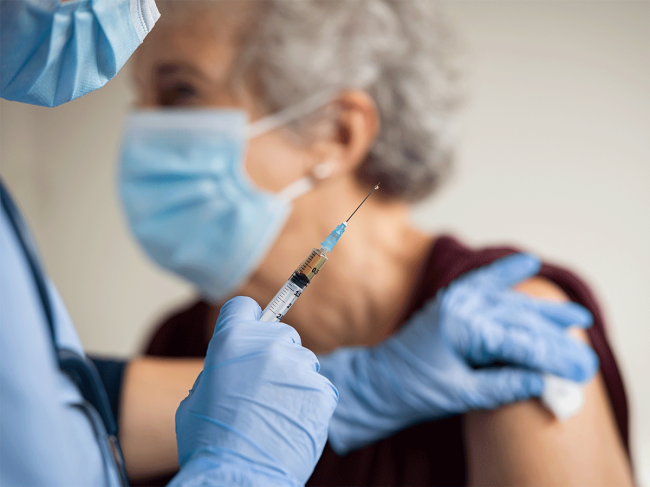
(542, 288)
(523, 444)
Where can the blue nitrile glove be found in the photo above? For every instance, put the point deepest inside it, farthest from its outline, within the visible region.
(258, 413)
(426, 370)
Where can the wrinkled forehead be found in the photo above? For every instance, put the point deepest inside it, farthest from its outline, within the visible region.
(224, 14)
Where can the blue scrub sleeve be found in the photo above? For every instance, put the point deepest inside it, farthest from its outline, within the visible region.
(111, 372)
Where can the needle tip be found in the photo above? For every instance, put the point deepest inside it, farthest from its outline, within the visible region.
(364, 200)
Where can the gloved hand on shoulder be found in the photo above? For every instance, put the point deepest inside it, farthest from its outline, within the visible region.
(428, 369)
(259, 411)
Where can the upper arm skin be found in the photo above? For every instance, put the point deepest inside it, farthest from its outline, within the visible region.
(523, 444)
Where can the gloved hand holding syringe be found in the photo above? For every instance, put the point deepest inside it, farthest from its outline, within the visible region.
(353, 425)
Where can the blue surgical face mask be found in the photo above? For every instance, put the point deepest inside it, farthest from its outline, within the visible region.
(188, 200)
(53, 52)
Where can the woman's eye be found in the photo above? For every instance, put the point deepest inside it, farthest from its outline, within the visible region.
(180, 94)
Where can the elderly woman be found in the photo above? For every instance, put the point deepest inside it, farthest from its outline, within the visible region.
(340, 95)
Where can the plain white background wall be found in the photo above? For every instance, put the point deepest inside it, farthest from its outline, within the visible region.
(554, 156)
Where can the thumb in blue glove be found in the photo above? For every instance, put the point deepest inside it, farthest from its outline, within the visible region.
(428, 370)
(259, 410)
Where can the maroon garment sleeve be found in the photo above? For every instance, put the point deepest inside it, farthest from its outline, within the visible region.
(184, 333)
(450, 259)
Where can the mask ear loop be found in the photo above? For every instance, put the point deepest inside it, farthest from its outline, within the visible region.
(271, 122)
(294, 112)
(321, 171)
(297, 188)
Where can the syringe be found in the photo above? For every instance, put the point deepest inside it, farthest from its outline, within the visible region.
(305, 272)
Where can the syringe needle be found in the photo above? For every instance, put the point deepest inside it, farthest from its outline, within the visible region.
(300, 279)
(329, 243)
(364, 200)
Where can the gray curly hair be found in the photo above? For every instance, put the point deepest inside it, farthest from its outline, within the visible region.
(401, 52)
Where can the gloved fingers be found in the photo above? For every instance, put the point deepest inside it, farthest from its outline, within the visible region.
(562, 313)
(239, 308)
(270, 331)
(565, 313)
(285, 351)
(243, 340)
(301, 365)
(507, 271)
(246, 312)
(239, 336)
(540, 347)
(504, 385)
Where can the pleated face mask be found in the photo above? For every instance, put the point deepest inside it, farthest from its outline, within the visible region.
(54, 52)
(189, 202)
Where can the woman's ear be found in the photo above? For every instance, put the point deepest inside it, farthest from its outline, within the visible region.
(354, 131)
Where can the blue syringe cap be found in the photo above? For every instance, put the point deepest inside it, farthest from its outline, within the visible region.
(333, 237)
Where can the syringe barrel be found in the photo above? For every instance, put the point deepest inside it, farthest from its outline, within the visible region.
(312, 264)
(295, 285)
(282, 301)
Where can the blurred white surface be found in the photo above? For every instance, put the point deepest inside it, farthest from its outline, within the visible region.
(554, 156)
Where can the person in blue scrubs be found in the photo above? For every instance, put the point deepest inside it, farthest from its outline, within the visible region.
(56, 425)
